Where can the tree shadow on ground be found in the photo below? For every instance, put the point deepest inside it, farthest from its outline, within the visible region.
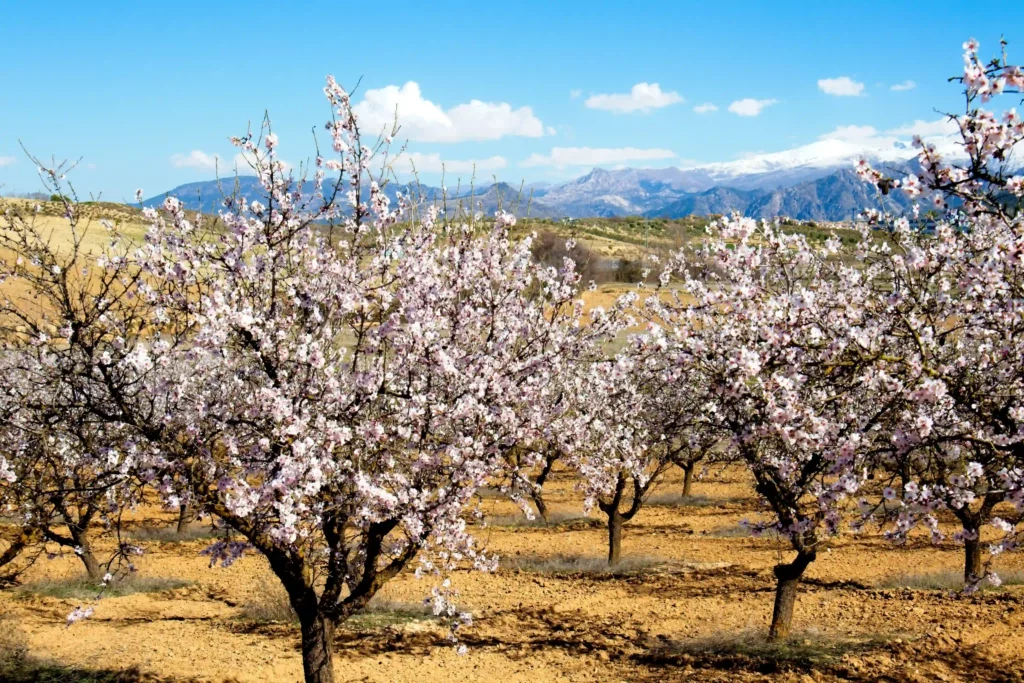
(870, 657)
(21, 668)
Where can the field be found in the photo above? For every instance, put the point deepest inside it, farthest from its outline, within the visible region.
(690, 601)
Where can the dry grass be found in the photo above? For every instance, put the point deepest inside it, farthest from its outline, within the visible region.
(752, 650)
(741, 531)
(946, 581)
(82, 588)
(572, 565)
(169, 534)
(557, 520)
(271, 606)
(679, 500)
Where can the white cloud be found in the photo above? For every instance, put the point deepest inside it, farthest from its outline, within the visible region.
(7, 161)
(749, 106)
(574, 93)
(595, 156)
(549, 130)
(905, 85)
(851, 134)
(195, 159)
(433, 163)
(941, 132)
(843, 86)
(926, 129)
(243, 162)
(705, 108)
(423, 121)
(199, 159)
(642, 97)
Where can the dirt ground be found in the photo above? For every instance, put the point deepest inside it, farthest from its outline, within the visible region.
(693, 606)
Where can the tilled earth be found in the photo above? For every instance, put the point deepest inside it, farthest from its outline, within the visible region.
(694, 605)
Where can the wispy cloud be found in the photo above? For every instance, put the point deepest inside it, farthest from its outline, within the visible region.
(905, 85)
(424, 121)
(642, 97)
(434, 163)
(844, 86)
(872, 137)
(195, 159)
(574, 93)
(705, 108)
(926, 129)
(850, 133)
(7, 161)
(596, 156)
(750, 106)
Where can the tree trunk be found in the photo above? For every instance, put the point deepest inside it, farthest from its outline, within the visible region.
(92, 565)
(687, 479)
(538, 486)
(905, 477)
(183, 519)
(788, 576)
(972, 558)
(542, 507)
(614, 537)
(317, 648)
(83, 548)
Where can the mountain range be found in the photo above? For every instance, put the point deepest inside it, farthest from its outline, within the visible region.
(813, 182)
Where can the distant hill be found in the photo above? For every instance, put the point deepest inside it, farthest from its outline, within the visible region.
(814, 182)
(838, 196)
(208, 195)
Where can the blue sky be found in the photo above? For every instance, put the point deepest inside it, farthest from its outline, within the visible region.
(148, 95)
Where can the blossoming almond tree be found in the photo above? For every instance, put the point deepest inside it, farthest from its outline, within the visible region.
(339, 384)
(69, 312)
(658, 426)
(768, 330)
(956, 304)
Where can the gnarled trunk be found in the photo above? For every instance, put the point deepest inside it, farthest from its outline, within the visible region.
(788, 576)
(83, 548)
(317, 647)
(614, 537)
(972, 558)
(92, 565)
(542, 507)
(184, 517)
(687, 479)
(538, 486)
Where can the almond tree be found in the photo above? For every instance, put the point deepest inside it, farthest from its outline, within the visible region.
(956, 304)
(769, 332)
(659, 425)
(66, 305)
(331, 380)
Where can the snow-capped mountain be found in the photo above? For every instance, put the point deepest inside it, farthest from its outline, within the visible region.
(809, 162)
(814, 181)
